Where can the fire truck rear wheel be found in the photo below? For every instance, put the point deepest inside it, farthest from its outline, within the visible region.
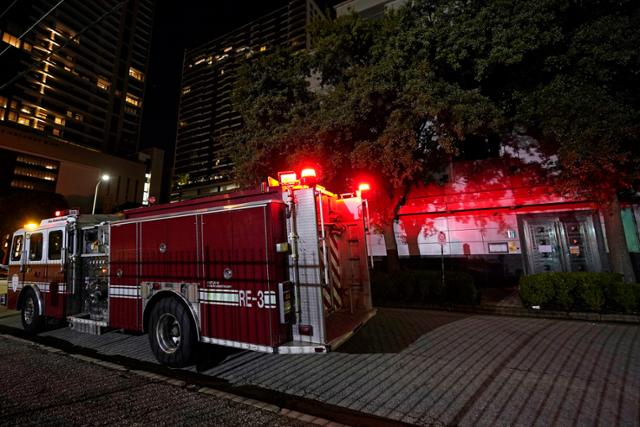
(172, 333)
(32, 321)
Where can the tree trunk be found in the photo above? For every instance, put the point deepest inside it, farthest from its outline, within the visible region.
(393, 260)
(618, 251)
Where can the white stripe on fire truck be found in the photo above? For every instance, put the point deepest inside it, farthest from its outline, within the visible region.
(124, 291)
(41, 286)
(220, 297)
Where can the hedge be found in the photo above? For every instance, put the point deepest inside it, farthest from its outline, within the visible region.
(420, 287)
(580, 291)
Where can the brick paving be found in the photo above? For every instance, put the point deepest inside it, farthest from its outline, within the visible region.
(458, 370)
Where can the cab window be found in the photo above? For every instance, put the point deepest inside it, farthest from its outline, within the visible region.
(35, 247)
(16, 247)
(55, 245)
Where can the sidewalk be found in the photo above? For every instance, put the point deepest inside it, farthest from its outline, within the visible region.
(476, 370)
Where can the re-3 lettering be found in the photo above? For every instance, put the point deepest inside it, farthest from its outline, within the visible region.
(245, 299)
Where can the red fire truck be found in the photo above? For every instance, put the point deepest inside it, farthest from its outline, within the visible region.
(282, 269)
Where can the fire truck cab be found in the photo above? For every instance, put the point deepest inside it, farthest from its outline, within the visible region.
(283, 269)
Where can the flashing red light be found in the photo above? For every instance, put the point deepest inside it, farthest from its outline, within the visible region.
(308, 177)
(287, 178)
(364, 187)
(58, 213)
(306, 173)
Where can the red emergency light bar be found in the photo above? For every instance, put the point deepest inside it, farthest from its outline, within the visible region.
(308, 177)
(66, 212)
(364, 187)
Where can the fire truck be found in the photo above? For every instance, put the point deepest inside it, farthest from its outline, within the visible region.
(280, 269)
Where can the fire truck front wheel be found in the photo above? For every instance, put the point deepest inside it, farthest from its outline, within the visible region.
(32, 321)
(172, 334)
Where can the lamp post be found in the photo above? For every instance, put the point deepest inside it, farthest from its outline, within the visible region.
(104, 177)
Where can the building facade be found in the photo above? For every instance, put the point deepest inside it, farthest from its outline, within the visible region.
(202, 163)
(368, 9)
(72, 84)
(79, 74)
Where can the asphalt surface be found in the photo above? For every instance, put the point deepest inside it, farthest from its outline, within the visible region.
(41, 388)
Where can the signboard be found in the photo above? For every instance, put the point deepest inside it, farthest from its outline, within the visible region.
(498, 248)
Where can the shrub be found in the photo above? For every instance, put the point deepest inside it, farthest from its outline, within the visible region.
(635, 288)
(460, 288)
(590, 295)
(620, 296)
(579, 291)
(538, 289)
(418, 286)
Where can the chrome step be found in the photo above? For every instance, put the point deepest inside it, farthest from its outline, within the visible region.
(82, 323)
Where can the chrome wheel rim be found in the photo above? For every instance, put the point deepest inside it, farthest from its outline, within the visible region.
(29, 310)
(168, 333)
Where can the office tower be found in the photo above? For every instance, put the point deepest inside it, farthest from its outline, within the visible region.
(202, 163)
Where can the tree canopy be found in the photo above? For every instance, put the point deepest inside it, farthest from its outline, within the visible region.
(397, 94)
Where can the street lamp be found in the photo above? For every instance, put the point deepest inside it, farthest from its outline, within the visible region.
(104, 177)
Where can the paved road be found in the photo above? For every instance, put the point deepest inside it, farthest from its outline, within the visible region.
(43, 388)
(477, 370)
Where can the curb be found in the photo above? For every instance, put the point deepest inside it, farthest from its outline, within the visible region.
(497, 310)
(299, 416)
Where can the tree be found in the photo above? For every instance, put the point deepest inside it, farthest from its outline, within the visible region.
(401, 95)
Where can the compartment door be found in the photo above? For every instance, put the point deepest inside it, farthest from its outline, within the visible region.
(125, 303)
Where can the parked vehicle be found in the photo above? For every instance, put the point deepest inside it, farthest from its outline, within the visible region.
(282, 269)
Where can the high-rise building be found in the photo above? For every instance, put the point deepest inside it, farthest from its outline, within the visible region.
(75, 70)
(202, 162)
(72, 82)
(368, 9)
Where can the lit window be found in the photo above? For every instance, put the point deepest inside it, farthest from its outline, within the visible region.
(26, 46)
(3, 102)
(133, 100)
(2, 110)
(263, 48)
(79, 117)
(56, 132)
(222, 71)
(103, 83)
(24, 120)
(186, 90)
(12, 40)
(227, 49)
(40, 113)
(37, 124)
(13, 116)
(199, 61)
(136, 74)
(26, 110)
(59, 121)
(69, 113)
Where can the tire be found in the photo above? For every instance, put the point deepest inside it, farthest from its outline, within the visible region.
(32, 321)
(172, 334)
